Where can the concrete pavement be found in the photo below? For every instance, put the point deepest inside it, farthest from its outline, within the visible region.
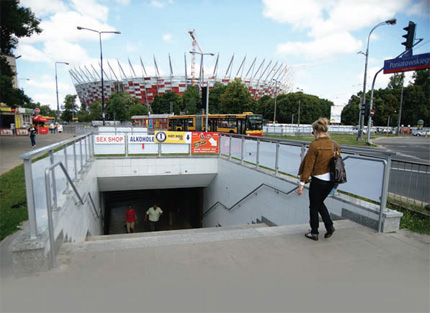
(11, 147)
(236, 269)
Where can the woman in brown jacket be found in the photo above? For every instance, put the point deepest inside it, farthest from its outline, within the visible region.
(315, 168)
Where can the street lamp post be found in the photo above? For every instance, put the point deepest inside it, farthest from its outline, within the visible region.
(298, 117)
(276, 95)
(56, 88)
(202, 78)
(101, 62)
(363, 98)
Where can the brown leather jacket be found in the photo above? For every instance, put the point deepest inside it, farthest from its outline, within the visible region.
(317, 159)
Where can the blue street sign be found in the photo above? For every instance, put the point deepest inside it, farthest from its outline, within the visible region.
(413, 63)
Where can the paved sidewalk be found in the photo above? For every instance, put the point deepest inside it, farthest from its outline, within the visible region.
(257, 269)
(11, 147)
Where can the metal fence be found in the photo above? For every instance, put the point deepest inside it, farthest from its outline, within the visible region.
(410, 185)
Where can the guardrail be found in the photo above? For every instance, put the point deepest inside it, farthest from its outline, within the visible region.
(49, 204)
(409, 185)
(368, 170)
(75, 163)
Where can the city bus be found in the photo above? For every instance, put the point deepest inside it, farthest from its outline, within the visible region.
(246, 123)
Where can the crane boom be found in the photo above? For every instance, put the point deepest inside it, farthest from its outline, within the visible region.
(193, 56)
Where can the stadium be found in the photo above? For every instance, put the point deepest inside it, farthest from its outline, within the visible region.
(261, 78)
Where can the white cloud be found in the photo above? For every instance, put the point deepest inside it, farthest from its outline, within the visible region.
(323, 47)
(167, 37)
(31, 54)
(40, 8)
(157, 4)
(420, 8)
(329, 23)
(91, 9)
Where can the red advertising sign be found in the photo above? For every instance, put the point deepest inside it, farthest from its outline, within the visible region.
(205, 143)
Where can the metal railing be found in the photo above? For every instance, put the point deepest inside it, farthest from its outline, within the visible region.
(75, 162)
(50, 206)
(253, 192)
(409, 186)
(365, 178)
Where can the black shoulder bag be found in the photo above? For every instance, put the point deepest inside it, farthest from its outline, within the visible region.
(337, 167)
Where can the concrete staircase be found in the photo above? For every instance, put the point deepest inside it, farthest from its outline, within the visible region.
(187, 236)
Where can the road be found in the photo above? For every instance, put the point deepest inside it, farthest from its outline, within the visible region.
(410, 148)
(409, 180)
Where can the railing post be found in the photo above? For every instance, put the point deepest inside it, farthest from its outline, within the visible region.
(257, 161)
(126, 144)
(54, 181)
(92, 146)
(75, 161)
(242, 144)
(86, 151)
(277, 159)
(229, 147)
(31, 208)
(50, 221)
(384, 195)
(66, 164)
(82, 162)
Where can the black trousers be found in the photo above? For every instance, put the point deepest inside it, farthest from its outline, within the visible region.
(318, 192)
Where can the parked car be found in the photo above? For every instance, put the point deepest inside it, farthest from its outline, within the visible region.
(419, 132)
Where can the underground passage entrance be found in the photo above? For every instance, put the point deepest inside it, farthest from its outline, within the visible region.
(182, 209)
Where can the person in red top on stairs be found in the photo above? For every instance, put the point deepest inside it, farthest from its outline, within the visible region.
(130, 218)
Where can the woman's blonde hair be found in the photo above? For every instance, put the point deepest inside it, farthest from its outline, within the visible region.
(320, 125)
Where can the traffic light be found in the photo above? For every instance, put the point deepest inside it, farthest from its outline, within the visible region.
(204, 97)
(410, 36)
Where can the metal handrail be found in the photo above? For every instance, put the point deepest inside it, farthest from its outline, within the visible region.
(28, 158)
(100, 216)
(277, 190)
(49, 205)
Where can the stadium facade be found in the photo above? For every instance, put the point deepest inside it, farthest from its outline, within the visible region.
(262, 78)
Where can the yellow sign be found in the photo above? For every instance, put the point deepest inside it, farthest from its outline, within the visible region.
(17, 122)
(172, 137)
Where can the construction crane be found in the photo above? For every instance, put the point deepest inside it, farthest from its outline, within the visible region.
(193, 57)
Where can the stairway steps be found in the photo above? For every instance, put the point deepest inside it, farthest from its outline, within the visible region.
(173, 232)
(189, 236)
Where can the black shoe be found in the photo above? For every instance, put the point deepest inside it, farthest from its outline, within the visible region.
(311, 236)
(328, 234)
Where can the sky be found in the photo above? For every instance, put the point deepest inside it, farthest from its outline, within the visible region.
(319, 40)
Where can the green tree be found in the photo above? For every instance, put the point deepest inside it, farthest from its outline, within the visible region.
(45, 110)
(263, 108)
(191, 100)
(70, 108)
(95, 111)
(15, 22)
(236, 98)
(349, 115)
(215, 97)
(396, 80)
(161, 104)
(83, 116)
(137, 109)
(118, 105)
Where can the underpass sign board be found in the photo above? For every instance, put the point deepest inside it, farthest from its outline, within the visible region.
(413, 63)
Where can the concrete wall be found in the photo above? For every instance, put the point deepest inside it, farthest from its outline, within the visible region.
(72, 222)
(235, 181)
